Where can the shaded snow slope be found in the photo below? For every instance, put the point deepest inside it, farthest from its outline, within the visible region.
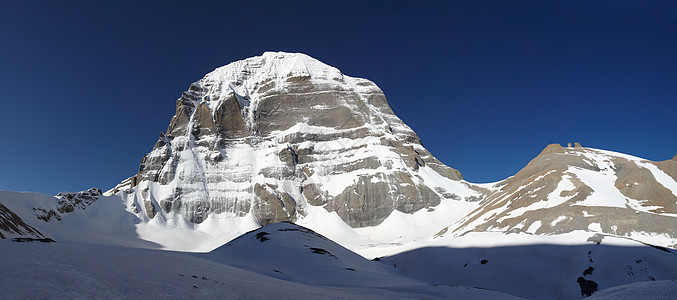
(550, 267)
(664, 289)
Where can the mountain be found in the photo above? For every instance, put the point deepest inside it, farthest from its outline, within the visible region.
(285, 137)
(270, 136)
(282, 170)
(575, 188)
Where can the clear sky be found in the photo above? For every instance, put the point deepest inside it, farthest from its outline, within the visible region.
(88, 86)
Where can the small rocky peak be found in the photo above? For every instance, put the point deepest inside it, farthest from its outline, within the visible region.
(68, 202)
(576, 145)
(162, 140)
(675, 157)
(553, 148)
(90, 193)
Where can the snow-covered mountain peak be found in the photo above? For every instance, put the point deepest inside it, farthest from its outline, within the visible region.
(269, 137)
(250, 79)
(273, 65)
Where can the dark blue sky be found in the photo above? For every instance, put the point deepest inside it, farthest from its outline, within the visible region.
(88, 86)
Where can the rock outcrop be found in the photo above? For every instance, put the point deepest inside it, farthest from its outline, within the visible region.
(271, 135)
(68, 202)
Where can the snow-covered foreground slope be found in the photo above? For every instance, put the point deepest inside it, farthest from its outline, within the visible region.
(540, 267)
(288, 251)
(664, 289)
(308, 266)
(284, 260)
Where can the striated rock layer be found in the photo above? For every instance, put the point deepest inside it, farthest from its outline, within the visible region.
(272, 135)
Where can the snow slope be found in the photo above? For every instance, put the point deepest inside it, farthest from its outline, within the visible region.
(537, 267)
(289, 261)
(664, 289)
(73, 270)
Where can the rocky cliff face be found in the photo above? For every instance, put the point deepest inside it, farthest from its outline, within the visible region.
(272, 135)
(576, 188)
(12, 226)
